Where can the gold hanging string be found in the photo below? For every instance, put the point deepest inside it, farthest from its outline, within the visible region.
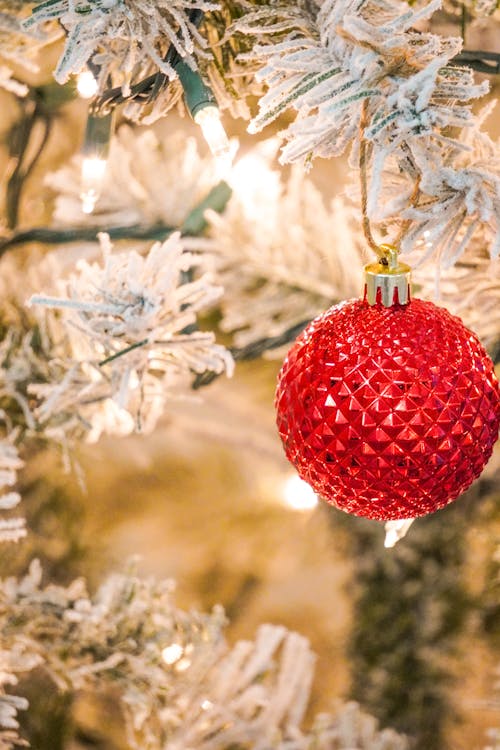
(406, 224)
(363, 148)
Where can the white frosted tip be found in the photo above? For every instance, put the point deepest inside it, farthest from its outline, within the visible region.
(396, 530)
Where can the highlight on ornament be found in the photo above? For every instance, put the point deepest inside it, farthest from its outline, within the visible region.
(86, 84)
(298, 495)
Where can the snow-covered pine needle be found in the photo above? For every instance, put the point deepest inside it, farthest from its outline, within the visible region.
(130, 339)
(178, 682)
(122, 36)
(12, 529)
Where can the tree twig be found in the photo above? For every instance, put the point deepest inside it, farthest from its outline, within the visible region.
(479, 60)
(252, 351)
(194, 224)
(51, 236)
(148, 88)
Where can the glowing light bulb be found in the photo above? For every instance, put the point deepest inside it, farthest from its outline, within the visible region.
(182, 665)
(86, 84)
(396, 530)
(213, 131)
(299, 495)
(172, 653)
(249, 173)
(93, 171)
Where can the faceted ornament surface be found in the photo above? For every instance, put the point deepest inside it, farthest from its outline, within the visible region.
(388, 413)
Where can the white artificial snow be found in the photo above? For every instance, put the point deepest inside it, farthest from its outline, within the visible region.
(420, 130)
(122, 35)
(253, 694)
(281, 253)
(128, 339)
(147, 181)
(11, 529)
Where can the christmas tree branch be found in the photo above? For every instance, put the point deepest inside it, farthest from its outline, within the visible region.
(148, 88)
(480, 61)
(194, 224)
(50, 236)
(21, 134)
(253, 350)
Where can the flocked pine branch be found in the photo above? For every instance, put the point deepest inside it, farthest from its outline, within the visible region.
(302, 255)
(456, 208)
(257, 239)
(357, 53)
(178, 682)
(469, 289)
(364, 72)
(11, 529)
(231, 32)
(14, 661)
(16, 45)
(123, 38)
(9, 83)
(148, 181)
(281, 253)
(128, 339)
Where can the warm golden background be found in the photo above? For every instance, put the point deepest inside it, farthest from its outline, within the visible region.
(201, 501)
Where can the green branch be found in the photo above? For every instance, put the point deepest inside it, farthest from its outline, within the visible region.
(195, 224)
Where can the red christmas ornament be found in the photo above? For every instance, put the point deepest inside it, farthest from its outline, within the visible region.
(388, 412)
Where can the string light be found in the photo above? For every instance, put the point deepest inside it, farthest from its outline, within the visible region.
(182, 665)
(172, 653)
(93, 171)
(95, 152)
(86, 84)
(396, 530)
(246, 178)
(209, 120)
(200, 101)
(425, 241)
(299, 495)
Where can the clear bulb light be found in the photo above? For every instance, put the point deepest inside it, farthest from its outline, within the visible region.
(86, 84)
(396, 530)
(299, 495)
(213, 131)
(249, 173)
(93, 171)
(172, 653)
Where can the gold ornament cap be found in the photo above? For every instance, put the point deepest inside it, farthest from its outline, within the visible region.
(388, 280)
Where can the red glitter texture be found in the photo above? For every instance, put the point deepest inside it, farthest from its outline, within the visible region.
(388, 412)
